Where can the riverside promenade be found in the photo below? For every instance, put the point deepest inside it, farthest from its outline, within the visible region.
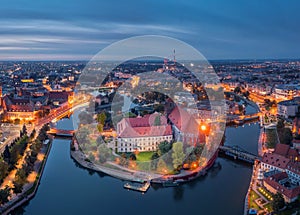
(29, 189)
(117, 172)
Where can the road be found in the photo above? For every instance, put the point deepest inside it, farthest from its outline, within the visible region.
(14, 130)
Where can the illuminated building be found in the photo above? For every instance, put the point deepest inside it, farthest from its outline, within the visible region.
(143, 133)
(287, 108)
(282, 171)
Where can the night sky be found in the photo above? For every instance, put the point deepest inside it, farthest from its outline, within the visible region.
(77, 29)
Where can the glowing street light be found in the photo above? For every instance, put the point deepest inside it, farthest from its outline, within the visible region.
(203, 127)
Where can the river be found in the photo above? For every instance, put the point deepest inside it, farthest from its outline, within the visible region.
(67, 188)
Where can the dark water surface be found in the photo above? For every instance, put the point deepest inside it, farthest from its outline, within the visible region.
(67, 188)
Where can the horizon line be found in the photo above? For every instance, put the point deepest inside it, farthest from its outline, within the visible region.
(85, 60)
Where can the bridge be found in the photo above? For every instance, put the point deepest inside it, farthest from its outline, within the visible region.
(238, 153)
(61, 132)
(243, 118)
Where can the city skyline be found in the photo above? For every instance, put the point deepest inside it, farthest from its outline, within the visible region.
(218, 29)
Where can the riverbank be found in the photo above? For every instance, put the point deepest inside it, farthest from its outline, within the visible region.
(31, 188)
(139, 176)
(64, 178)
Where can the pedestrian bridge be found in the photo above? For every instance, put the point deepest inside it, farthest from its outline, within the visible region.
(238, 153)
(61, 132)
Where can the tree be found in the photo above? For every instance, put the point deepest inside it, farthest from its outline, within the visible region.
(100, 127)
(99, 140)
(3, 170)
(32, 134)
(91, 157)
(18, 186)
(82, 135)
(85, 118)
(132, 157)
(6, 154)
(154, 160)
(278, 202)
(162, 166)
(101, 118)
(104, 153)
(178, 154)
(24, 130)
(237, 90)
(21, 174)
(246, 94)
(164, 147)
(280, 124)
(4, 195)
(285, 136)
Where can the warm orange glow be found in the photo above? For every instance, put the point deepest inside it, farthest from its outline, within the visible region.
(40, 156)
(203, 127)
(31, 177)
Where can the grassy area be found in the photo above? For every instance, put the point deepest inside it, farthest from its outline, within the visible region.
(252, 197)
(144, 156)
(271, 138)
(266, 193)
(268, 206)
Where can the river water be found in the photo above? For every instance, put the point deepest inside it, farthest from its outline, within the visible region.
(67, 188)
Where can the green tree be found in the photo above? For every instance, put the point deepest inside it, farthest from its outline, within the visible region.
(104, 153)
(278, 202)
(91, 157)
(132, 157)
(154, 160)
(85, 118)
(18, 186)
(4, 195)
(237, 90)
(162, 166)
(6, 154)
(101, 118)
(21, 174)
(285, 136)
(24, 130)
(100, 127)
(178, 154)
(280, 124)
(3, 170)
(164, 147)
(82, 135)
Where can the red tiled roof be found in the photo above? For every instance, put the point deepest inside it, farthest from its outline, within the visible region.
(293, 152)
(145, 126)
(275, 160)
(58, 95)
(183, 120)
(294, 167)
(282, 149)
(147, 120)
(273, 181)
(17, 104)
(150, 131)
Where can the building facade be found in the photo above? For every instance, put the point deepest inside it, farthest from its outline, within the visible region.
(143, 133)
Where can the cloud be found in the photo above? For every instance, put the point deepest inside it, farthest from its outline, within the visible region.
(220, 29)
